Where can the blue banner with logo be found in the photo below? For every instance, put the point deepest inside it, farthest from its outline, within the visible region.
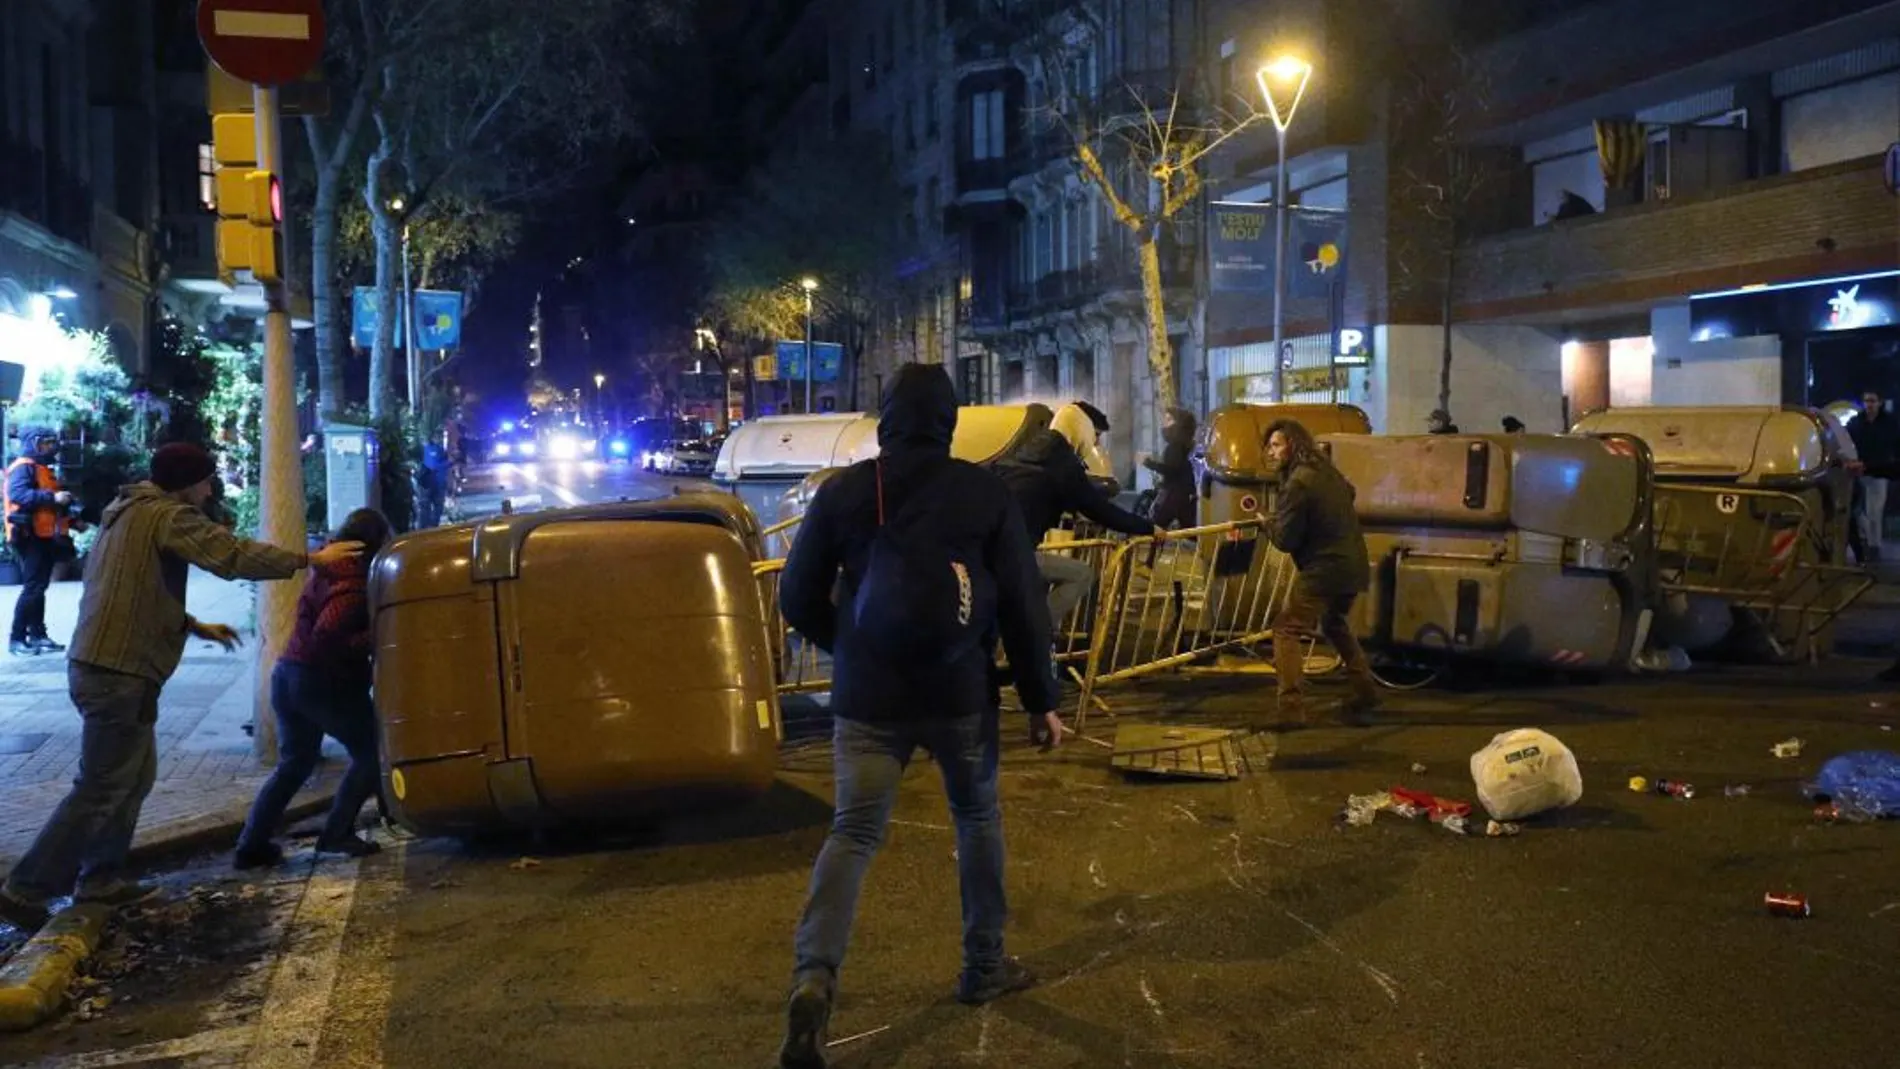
(438, 319)
(827, 358)
(1316, 250)
(1240, 249)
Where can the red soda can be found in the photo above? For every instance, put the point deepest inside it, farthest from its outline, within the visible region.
(1786, 905)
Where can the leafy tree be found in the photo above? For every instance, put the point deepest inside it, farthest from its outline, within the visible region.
(833, 212)
(500, 102)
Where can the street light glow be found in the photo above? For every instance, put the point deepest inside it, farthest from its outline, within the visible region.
(1287, 72)
(599, 380)
(397, 204)
(808, 284)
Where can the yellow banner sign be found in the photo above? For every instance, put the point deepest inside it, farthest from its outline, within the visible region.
(765, 368)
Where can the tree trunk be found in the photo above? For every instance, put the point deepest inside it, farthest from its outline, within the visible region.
(323, 296)
(1160, 351)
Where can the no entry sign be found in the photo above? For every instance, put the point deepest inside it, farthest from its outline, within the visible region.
(265, 42)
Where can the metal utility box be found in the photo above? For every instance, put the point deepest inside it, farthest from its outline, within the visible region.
(583, 666)
(351, 471)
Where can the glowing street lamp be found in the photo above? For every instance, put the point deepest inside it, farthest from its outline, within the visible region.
(810, 286)
(1282, 82)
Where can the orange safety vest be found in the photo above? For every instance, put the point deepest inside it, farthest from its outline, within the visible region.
(49, 521)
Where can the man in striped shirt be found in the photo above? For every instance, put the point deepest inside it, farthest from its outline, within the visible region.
(131, 635)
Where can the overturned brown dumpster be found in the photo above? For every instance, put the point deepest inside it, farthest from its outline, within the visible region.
(1520, 549)
(573, 667)
(1751, 516)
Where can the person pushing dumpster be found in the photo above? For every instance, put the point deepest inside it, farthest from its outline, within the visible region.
(1314, 523)
(936, 565)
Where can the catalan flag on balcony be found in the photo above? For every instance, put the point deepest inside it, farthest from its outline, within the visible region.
(1620, 146)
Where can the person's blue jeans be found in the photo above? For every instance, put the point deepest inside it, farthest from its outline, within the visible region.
(869, 761)
(84, 844)
(311, 703)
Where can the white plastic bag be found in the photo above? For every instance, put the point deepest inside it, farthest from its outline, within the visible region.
(1525, 772)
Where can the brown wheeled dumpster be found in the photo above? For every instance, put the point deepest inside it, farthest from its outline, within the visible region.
(1523, 548)
(1751, 517)
(1235, 472)
(574, 666)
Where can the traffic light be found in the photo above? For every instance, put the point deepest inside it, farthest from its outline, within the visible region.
(250, 203)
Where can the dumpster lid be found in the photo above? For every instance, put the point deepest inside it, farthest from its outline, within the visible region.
(498, 542)
(786, 446)
(1744, 443)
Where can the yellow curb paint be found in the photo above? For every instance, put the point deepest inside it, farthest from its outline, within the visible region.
(33, 983)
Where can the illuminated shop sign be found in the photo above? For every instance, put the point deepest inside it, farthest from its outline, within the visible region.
(1818, 306)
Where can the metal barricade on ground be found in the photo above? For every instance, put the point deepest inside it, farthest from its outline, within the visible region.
(1763, 551)
(1180, 600)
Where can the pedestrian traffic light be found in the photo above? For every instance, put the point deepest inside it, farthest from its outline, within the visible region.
(250, 203)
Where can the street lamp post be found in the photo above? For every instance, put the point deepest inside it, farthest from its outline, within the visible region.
(1286, 73)
(600, 381)
(810, 286)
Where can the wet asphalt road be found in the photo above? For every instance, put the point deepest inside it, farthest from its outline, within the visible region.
(561, 484)
(1175, 924)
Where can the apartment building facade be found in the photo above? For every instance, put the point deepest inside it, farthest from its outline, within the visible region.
(78, 159)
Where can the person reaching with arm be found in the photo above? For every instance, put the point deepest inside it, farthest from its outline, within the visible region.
(131, 635)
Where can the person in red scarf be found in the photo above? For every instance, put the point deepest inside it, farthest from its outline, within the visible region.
(321, 686)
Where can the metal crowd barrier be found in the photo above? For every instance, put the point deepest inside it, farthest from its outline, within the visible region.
(1182, 599)
(1762, 550)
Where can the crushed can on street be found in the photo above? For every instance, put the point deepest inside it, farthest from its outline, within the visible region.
(1788, 905)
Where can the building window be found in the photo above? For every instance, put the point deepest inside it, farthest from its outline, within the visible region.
(986, 126)
(207, 177)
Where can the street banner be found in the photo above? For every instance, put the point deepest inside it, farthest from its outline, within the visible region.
(828, 357)
(765, 368)
(438, 319)
(1316, 245)
(1240, 249)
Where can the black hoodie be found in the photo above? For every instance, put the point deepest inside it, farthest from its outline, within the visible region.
(964, 507)
(1048, 479)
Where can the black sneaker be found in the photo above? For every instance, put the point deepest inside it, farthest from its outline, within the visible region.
(47, 645)
(807, 1017)
(22, 647)
(1005, 978)
(266, 856)
(25, 916)
(352, 846)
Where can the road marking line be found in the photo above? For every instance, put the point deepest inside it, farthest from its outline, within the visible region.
(291, 1019)
(223, 1041)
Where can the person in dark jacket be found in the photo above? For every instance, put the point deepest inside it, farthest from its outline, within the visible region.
(37, 522)
(1174, 499)
(1314, 523)
(885, 711)
(321, 686)
(1877, 445)
(1047, 478)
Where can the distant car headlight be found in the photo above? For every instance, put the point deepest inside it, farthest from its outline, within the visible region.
(563, 447)
(528, 449)
(503, 449)
(619, 447)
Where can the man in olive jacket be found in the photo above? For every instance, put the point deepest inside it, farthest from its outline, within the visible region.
(131, 635)
(1314, 523)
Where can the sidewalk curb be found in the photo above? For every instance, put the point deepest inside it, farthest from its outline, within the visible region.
(199, 834)
(33, 982)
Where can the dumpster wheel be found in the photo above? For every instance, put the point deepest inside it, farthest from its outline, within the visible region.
(1409, 669)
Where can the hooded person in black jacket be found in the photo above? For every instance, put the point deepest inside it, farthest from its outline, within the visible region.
(1048, 478)
(885, 710)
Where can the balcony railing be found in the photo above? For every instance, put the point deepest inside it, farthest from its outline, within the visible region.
(1827, 220)
(1117, 272)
